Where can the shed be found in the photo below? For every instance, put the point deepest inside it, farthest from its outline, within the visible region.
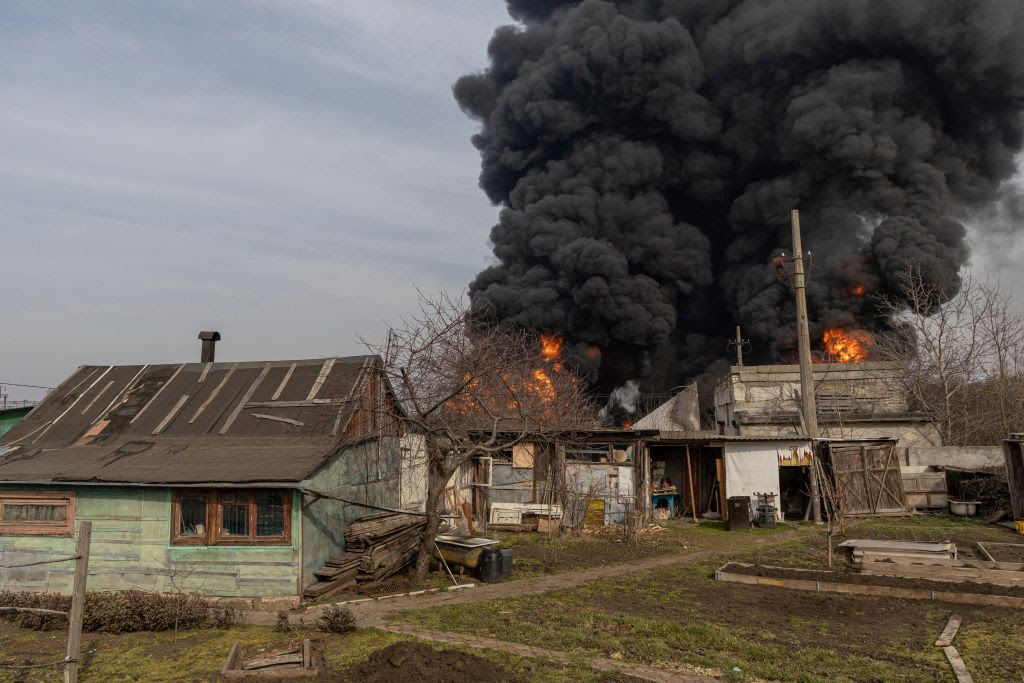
(194, 474)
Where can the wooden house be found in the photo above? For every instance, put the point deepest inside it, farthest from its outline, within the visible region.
(197, 476)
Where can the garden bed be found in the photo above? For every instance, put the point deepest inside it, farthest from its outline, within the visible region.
(889, 586)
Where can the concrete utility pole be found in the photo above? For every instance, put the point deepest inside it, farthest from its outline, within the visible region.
(810, 411)
(739, 347)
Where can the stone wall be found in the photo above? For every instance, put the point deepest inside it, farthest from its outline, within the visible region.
(955, 456)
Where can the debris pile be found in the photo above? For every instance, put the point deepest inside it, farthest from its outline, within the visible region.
(988, 486)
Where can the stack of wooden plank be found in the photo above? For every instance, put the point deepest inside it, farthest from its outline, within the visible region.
(868, 550)
(337, 573)
(367, 532)
(388, 544)
(377, 547)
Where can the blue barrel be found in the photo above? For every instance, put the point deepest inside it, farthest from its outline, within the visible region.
(490, 565)
(506, 562)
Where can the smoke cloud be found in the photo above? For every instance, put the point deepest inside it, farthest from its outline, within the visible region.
(646, 154)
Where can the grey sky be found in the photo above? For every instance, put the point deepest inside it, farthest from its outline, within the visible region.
(280, 171)
(283, 172)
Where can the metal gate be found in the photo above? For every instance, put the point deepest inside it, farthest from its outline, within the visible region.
(867, 476)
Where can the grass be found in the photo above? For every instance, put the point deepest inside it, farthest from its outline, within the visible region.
(678, 617)
(194, 655)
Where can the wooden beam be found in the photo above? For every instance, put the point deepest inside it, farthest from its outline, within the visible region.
(78, 602)
(171, 415)
(316, 402)
(689, 484)
(204, 373)
(102, 391)
(241, 404)
(275, 418)
(213, 394)
(284, 381)
(158, 392)
(321, 378)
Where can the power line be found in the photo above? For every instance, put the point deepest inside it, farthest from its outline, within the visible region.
(28, 386)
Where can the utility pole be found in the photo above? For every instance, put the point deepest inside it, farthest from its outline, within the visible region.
(810, 411)
(739, 347)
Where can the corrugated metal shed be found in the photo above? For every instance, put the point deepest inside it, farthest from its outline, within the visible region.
(189, 423)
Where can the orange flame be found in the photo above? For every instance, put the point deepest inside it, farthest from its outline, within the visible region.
(551, 347)
(543, 386)
(847, 346)
(857, 290)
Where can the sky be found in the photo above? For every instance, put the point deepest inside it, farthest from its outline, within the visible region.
(287, 173)
(284, 172)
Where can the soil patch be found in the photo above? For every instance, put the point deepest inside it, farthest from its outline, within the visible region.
(840, 621)
(424, 664)
(890, 581)
(1006, 553)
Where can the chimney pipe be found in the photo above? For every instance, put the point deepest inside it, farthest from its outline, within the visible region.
(210, 339)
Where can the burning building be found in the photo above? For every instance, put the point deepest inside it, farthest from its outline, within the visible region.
(645, 156)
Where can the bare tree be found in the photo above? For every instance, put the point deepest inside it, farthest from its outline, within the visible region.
(961, 358)
(473, 389)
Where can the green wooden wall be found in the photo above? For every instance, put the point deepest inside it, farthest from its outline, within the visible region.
(130, 549)
(367, 472)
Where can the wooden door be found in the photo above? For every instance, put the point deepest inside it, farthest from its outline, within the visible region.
(868, 478)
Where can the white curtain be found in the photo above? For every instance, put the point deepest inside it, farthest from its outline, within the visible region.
(753, 468)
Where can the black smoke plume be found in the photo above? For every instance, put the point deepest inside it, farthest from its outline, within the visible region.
(646, 154)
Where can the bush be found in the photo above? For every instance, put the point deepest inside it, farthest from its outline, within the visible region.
(120, 612)
(337, 619)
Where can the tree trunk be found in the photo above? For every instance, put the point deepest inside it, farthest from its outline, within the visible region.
(437, 480)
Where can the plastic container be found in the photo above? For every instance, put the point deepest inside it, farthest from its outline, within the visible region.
(506, 562)
(490, 565)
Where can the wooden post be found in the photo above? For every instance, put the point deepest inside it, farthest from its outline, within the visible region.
(78, 602)
(810, 412)
(689, 485)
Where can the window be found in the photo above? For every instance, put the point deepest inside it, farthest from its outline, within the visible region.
(231, 517)
(37, 513)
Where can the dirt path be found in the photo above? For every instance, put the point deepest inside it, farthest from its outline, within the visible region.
(647, 673)
(372, 613)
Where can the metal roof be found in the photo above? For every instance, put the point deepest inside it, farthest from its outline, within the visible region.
(191, 422)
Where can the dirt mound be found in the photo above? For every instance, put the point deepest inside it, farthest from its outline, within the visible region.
(423, 664)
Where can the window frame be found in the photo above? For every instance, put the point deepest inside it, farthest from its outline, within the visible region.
(214, 519)
(64, 528)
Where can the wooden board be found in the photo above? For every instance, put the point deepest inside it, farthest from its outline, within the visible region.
(996, 577)
(907, 546)
(1014, 457)
(871, 558)
(948, 633)
(857, 589)
(959, 668)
